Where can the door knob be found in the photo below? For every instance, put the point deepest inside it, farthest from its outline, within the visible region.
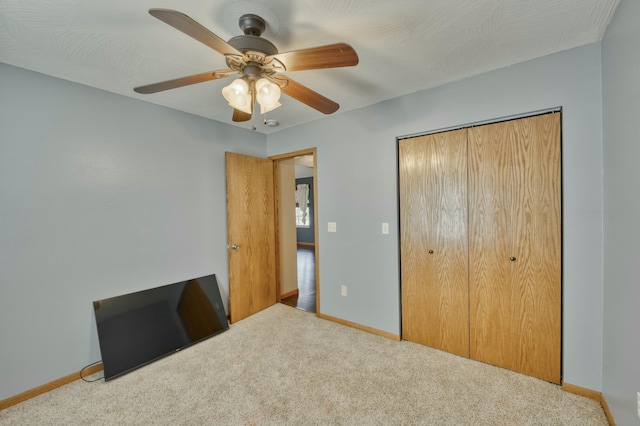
(513, 259)
(430, 251)
(235, 246)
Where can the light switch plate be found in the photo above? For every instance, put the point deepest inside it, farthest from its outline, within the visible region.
(331, 227)
(385, 227)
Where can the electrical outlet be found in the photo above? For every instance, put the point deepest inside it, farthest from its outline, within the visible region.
(639, 405)
(331, 227)
(343, 291)
(385, 228)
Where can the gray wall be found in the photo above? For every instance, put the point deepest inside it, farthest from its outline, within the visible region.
(359, 195)
(100, 195)
(621, 107)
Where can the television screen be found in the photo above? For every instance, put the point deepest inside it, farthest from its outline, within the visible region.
(137, 328)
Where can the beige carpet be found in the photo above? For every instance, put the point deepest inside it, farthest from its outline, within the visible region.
(285, 366)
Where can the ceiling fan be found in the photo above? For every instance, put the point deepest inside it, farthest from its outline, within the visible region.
(259, 65)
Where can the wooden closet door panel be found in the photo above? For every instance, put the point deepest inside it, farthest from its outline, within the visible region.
(536, 272)
(490, 186)
(515, 311)
(433, 217)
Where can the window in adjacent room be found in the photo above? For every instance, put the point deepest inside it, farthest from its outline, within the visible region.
(302, 205)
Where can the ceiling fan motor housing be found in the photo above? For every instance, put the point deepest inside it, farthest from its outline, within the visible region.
(252, 26)
(246, 43)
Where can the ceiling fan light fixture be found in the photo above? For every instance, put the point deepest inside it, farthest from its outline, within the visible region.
(238, 96)
(255, 58)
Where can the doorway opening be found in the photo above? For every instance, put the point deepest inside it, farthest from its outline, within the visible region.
(296, 229)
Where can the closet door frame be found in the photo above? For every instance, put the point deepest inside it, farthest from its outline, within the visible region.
(561, 217)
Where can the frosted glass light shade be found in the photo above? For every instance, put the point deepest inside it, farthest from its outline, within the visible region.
(237, 94)
(267, 95)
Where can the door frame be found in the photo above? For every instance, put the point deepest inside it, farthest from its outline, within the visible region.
(289, 156)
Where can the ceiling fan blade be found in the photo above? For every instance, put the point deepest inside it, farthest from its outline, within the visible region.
(240, 116)
(187, 25)
(329, 56)
(307, 96)
(184, 81)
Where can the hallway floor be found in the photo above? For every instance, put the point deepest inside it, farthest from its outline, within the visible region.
(306, 297)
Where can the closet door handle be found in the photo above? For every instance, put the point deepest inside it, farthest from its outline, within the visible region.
(513, 259)
(430, 251)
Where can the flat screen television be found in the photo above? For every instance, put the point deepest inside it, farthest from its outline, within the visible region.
(138, 328)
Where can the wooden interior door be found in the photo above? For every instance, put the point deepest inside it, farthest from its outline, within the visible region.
(433, 235)
(251, 235)
(514, 245)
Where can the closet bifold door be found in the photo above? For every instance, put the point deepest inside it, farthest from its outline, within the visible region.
(515, 245)
(434, 241)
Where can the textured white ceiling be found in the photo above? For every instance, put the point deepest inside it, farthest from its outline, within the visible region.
(404, 45)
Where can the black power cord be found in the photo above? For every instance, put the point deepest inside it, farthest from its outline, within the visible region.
(91, 365)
